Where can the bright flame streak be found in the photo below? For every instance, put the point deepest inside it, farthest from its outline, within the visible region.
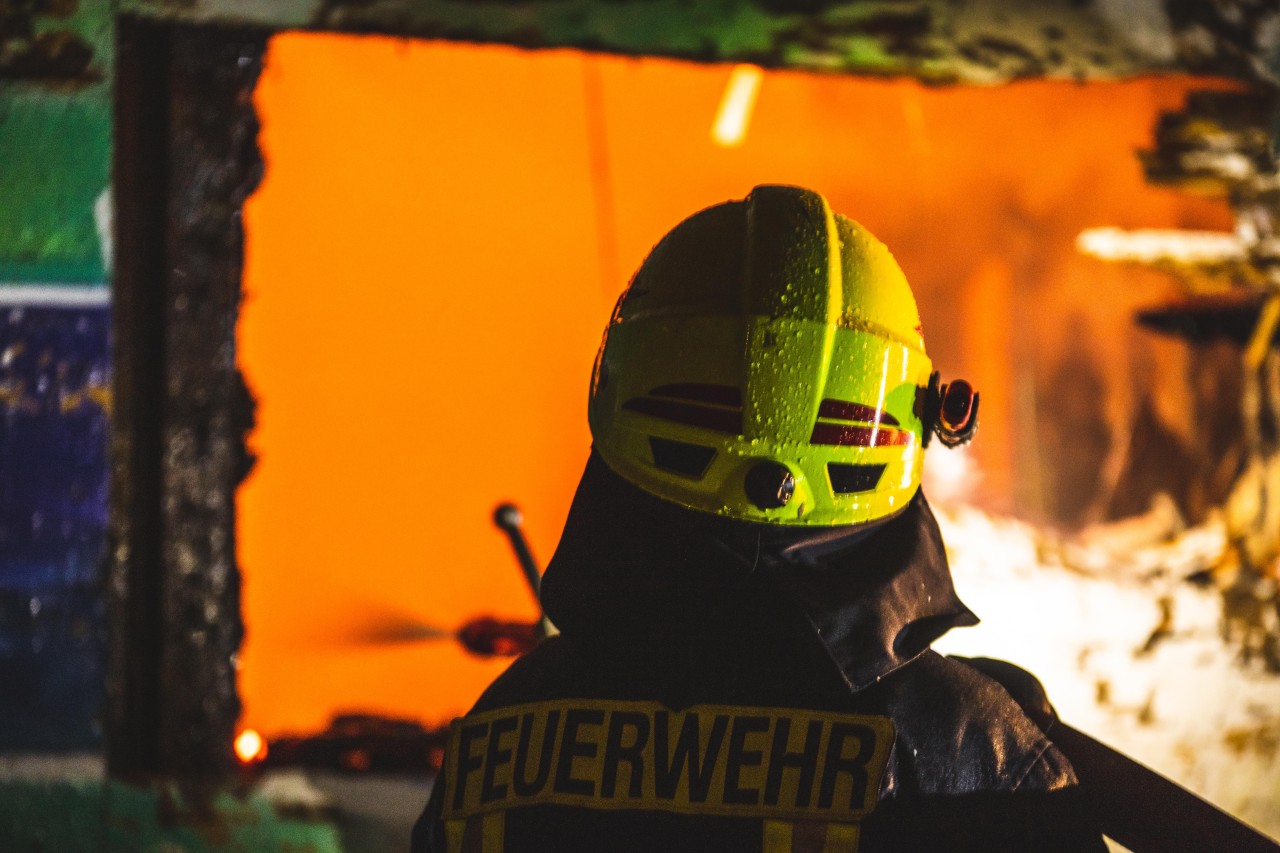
(730, 126)
(250, 746)
(1145, 245)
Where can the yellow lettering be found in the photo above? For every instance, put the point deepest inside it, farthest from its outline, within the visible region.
(776, 763)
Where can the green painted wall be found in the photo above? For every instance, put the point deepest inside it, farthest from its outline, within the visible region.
(55, 140)
(87, 816)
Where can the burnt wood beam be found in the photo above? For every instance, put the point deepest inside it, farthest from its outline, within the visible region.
(134, 583)
(940, 41)
(186, 158)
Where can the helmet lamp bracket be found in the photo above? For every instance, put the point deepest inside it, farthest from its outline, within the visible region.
(950, 410)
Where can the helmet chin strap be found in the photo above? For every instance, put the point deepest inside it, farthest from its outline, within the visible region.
(750, 563)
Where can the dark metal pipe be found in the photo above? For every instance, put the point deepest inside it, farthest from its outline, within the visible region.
(509, 519)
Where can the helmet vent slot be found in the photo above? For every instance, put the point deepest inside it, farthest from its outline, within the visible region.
(847, 479)
(690, 460)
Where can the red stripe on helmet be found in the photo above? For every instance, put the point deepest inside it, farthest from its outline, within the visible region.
(854, 412)
(856, 435)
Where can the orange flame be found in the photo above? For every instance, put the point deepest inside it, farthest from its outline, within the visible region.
(424, 300)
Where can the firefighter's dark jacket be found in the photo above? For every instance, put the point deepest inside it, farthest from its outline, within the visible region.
(669, 609)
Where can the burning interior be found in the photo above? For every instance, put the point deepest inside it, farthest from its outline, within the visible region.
(357, 283)
(442, 229)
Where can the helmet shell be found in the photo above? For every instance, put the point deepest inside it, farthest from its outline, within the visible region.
(766, 338)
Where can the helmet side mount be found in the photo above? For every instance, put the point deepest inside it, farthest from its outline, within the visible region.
(950, 410)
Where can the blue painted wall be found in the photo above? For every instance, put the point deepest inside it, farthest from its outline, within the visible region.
(55, 144)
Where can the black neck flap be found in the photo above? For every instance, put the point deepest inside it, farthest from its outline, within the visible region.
(631, 567)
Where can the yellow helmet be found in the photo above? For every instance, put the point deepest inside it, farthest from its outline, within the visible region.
(766, 363)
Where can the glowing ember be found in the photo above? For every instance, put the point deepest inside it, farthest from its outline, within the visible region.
(250, 746)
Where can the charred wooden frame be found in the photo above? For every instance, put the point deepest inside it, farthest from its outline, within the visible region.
(185, 160)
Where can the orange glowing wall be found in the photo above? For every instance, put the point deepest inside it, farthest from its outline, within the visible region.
(435, 248)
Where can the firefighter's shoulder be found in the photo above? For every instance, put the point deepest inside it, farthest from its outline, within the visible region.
(951, 713)
(1024, 687)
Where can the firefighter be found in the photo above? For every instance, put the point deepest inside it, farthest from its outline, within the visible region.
(749, 581)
